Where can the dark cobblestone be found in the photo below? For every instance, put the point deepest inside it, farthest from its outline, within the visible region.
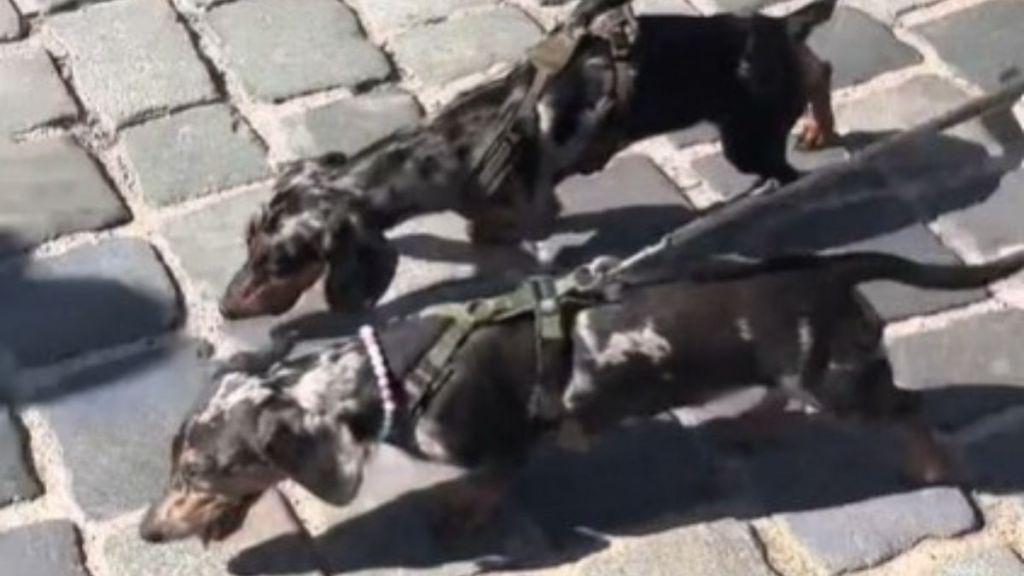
(33, 93)
(44, 549)
(86, 299)
(992, 224)
(443, 52)
(866, 533)
(385, 17)
(219, 150)
(656, 469)
(992, 460)
(11, 25)
(968, 369)
(725, 179)
(859, 47)
(725, 548)
(143, 62)
(282, 49)
(741, 5)
(146, 395)
(888, 10)
(350, 125)
(617, 211)
(16, 480)
(982, 42)
(211, 243)
(674, 7)
(52, 188)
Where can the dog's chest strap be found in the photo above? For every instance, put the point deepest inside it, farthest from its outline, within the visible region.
(549, 58)
(538, 296)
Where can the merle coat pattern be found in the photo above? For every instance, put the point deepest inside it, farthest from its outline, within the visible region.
(796, 325)
(751, 76)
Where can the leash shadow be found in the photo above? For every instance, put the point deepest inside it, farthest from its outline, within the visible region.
(655, 475)
(939, 174)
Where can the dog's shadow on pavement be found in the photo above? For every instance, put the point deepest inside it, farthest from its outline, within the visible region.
(657, 475)
(46, 317)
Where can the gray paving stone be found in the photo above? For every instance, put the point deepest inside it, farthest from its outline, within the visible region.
(675, 7)
(89, 298)
(859, 47)
(873, 224)
(350, 125)
(967, 369)
(282, 49)
(806, 465)
(906, 105)
(889, 10)
(866, 533)
(940, 173)
(52, 188)
(615, 212)
(992, 562)
(33, 93)
(723, 548)
(657, 469)
(740, 5)
(698, 134)
(32, 7)
(147, 394)
(16, 480)
(48, 548)
(11, 25)
(992, 461)
(725, 179)
(990, 225)
(141, 63)
(443, 52)
(210, 243)
(218, 149)
(385, 17)
(269, 520)
(981, 42)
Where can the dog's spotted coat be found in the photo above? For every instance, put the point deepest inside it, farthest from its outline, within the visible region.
(752, 76)
(795, 325)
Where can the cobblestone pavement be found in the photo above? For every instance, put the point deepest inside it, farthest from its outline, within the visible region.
(137, 135)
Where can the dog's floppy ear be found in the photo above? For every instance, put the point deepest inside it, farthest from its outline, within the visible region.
(801, 23)
(361, 261)
(322, 459)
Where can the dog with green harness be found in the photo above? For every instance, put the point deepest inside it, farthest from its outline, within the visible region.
(479, 384)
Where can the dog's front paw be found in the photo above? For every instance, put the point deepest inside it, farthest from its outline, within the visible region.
(814, 137)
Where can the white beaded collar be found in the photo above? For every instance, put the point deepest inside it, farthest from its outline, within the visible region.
(380, 370)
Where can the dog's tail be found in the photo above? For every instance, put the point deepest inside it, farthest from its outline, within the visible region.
(801, 23)
(866, 267)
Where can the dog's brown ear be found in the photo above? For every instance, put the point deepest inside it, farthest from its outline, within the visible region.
(319, 459)
(801, 23)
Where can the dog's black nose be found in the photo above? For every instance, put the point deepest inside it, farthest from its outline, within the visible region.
(151, 535)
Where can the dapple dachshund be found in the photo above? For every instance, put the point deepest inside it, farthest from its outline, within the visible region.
(794, 324)
(752, 76)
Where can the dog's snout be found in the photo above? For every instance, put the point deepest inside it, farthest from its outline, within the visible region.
(151, 534)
